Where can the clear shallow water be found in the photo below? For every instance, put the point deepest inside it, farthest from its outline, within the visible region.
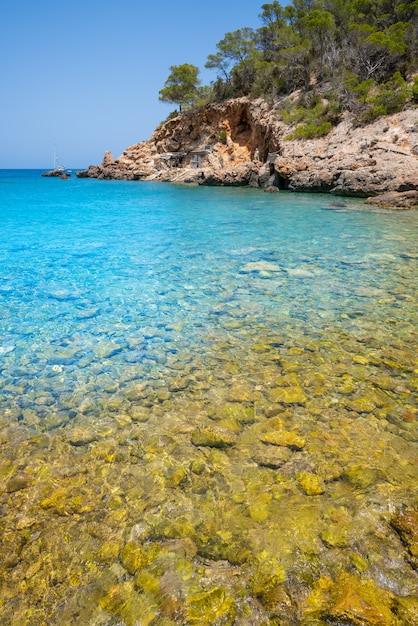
(208, 404)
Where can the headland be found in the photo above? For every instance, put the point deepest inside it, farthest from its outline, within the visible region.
(246, 142)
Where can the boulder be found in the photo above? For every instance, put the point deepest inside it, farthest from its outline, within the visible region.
(396, 199)
(244, 174)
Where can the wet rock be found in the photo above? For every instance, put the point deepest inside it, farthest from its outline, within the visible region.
(54, 420)
(260, 266)
(267, 574)
(137, 392)
(179, 384)
(287, 395)
(299, 272)
(383, 382)
(67, 501)
(396, 199)
(108, 551)
(279, 605)
(128, 606)
(336, 536)
(65, 355)
(273, 410)
(12, 546)
(175, 476)
(81, 436)
(212, 607)
(362, 477)
(17, 483)
(212, 438)
(359, 602)
(115, 402)
(311, 484)
(132, 557)
(406, 609)
(258, 507)
(271, 456)
(198, 466)
(105, 350)
(25, 522)
(234, 410)
(139, 414)
(283, 438)
(359, 563)
(406, 525)
(241, 393)
(360, 405)
(123, 420)
(147, 583)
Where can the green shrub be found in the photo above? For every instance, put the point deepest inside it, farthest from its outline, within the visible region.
(314, 120)
(414, 90)
(369, 115)
(223, 136)
(384, 99)
(393, 95)
(311, 130)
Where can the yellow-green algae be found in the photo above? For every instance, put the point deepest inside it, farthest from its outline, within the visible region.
(218, 500)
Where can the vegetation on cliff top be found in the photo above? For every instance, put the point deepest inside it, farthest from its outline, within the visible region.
(355, 55)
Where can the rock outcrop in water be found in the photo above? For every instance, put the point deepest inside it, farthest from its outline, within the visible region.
(245, 142)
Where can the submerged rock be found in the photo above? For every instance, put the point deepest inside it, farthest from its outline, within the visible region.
(108, 552)
(359, 602)
(287, 395)
(311, 484)
(362, 477)
(17, 483)
(234, 410)
(213, 438)
(268, 573)
(132, 557)
(283, 438)
(179, 384)
(396, 199)
(212, 607)
(260, 266)
(271, 456)
(406, 525)
(82, 436)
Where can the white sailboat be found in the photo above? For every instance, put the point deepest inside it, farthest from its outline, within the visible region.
(58, 170)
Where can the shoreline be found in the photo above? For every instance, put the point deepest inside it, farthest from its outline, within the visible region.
(244, 142)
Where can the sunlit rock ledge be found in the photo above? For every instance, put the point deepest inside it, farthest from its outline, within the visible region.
(244, 142)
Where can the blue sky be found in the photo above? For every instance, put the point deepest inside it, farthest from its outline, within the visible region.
(85, 75)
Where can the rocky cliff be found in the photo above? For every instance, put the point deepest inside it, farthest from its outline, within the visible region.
(244, 142)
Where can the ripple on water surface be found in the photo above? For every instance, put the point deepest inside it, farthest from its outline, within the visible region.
(208, 407)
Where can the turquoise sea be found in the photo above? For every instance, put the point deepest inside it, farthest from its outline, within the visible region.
(208, 406)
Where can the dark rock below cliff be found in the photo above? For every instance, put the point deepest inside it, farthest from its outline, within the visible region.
(396, 200)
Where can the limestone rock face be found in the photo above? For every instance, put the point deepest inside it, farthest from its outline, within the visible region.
(245, 142)
(238, 176)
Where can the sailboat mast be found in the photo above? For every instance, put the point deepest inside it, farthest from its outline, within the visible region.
(55, 156)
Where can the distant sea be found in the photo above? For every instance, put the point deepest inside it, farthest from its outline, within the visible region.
(133, 315)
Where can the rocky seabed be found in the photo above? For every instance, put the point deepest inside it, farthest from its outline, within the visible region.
(250, 478)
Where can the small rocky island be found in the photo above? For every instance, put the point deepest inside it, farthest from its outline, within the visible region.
(245, 141)
(57, 172)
